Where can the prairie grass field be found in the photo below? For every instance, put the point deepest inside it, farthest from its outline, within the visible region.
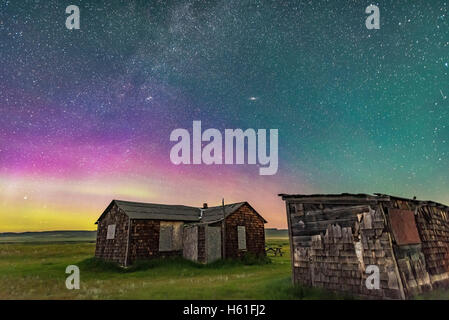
(37, 271)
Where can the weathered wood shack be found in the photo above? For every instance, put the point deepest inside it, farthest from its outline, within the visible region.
(335, 237)
(129, 231)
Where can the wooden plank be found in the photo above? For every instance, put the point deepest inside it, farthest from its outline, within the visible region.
(341, 210)
(303, 241)
(310, 222)
(319, 227)
(308, 232)
(338, 201)
(325, 223)
(332, 198)
(292, 247)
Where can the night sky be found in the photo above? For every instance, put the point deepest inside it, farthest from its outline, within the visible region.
(86, 115)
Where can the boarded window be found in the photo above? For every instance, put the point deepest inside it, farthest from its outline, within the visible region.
(111, 231)
(404, 226)
(241, 232)
(170, 236)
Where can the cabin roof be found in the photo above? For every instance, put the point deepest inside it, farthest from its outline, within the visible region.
(154, 211)
(141, 210)
(215, 214)
(356, 197)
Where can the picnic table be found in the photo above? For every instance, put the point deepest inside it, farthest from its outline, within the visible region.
(275, 250)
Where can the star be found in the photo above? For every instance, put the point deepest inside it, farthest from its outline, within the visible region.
(98, 104)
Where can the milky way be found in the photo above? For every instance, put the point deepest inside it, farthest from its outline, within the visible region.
(85, 115)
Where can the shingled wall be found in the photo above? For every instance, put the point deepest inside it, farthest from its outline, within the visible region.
(255, 234)
(112, 249)
(335, 237)
(433, 226)
(334, 245)
(424, 266)
(142, 241)
(201, 244)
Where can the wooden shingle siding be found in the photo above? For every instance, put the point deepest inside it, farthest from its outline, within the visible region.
(201, 244)
(325, 238)
(138, 234)
(425, 266)
(144, 239)
(434, 232)
(335, 237)
(112, 249)
(255, 233)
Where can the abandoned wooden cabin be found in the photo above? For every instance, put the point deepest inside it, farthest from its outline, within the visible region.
(335, 237)
(129, 231)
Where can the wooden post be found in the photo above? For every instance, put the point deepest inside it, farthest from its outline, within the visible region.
(396, 267)
(290, 237)
(223, 231)
(127, 243)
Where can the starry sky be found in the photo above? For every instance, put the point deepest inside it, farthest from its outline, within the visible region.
(86, 115)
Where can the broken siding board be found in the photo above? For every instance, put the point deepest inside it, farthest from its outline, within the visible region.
(337, 211)
(323, 217)
(345, 218)
(324, 223)
(310, 231)
(318, 219)
(303, 241)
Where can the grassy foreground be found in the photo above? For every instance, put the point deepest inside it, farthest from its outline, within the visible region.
(37, 271)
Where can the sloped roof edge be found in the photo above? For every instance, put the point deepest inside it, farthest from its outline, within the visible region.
(142, 210)
(362, 196)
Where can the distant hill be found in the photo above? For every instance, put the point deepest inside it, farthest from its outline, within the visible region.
(86, 236)
(48, 236)
(276, 233)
